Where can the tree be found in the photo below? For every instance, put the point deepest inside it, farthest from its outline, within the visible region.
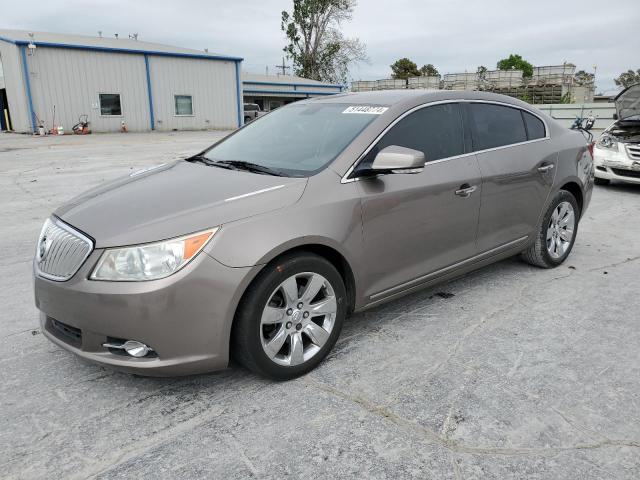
(404, 68)
(316, 45)
(429, 70)
(628, 78)
(583, 78)
(482, 72)
(518, 63)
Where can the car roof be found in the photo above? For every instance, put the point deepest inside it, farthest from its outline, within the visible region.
(408, 98)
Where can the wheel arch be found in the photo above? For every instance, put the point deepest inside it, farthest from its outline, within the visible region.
(323, 248)
(574, 189)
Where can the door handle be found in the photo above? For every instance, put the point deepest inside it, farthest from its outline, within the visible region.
(465, 190)
(546, 168)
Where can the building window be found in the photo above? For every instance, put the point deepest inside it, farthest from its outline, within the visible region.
(184, 105)
(110, 104)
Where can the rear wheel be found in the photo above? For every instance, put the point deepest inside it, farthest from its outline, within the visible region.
(601, 181)
(557, 232)
(247, 119)
(290, 317)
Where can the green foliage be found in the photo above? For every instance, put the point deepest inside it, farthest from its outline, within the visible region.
(525, 97)
(316, 44)
(566, 98)
(429, 70)
(404, 68)
(628, 78)
(518, 63)
(482, 72)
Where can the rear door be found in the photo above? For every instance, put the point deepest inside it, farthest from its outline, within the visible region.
(517, 171)
(416, 224)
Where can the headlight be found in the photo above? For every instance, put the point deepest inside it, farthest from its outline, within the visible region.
(150, 261)
(607, 143)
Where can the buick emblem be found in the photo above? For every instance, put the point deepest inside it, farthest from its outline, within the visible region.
(43, 247)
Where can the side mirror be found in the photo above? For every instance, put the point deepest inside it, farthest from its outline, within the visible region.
(395, 159)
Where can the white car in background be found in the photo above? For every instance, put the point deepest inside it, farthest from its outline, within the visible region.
(616, 155)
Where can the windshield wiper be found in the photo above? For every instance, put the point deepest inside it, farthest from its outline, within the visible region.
(248, 166)
(235, 165)
(207, 161)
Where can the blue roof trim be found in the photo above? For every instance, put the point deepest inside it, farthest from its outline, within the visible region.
(124, 50)
(8, 40)
(300, 93)
(280, 84)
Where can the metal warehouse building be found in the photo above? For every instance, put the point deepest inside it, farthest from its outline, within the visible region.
(147, 86)
(273, 91)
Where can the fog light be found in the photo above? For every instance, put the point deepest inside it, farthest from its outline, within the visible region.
(135, 349)
(132, 347)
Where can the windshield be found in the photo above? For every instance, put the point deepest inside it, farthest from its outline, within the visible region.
(297, 140)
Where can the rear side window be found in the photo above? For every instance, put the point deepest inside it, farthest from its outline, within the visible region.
(535, 127)
(495, 126)
(436, 131)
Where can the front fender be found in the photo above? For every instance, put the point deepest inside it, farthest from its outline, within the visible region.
(316, 219)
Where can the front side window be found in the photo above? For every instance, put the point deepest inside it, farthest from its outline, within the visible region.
(184, 104)
(535, 127)
(296, 140)
(495, 125)
(110, 104)
(436, 131)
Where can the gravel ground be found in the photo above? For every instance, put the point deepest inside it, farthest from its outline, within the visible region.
(509, 372)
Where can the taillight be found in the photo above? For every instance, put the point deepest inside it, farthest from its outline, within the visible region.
(590, 147)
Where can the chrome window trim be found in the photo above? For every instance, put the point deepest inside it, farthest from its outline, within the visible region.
(68, 228)
(345, 178)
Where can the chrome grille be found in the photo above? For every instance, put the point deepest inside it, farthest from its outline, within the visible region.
(634, 151)
(61, 250)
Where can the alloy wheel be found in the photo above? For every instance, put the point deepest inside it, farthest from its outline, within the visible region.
(298, 319)
(560, 230)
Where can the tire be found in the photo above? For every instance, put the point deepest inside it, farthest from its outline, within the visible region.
(601, 181)
(550, 248)
(247, 119)
(268, 313)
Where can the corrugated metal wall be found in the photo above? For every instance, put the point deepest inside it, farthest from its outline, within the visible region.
(71, 80)
(285, 87)
(14, 84)
(212, 84)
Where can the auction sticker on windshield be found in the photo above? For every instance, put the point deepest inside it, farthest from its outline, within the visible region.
(366, 109)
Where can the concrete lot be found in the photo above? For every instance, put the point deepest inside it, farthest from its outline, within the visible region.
(511, 372)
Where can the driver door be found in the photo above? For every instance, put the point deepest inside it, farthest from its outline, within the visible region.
(416, 224)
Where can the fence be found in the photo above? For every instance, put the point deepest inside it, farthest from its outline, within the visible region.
(567, 113)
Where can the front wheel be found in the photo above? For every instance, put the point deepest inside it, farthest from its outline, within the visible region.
(290, 317)
(557, 232)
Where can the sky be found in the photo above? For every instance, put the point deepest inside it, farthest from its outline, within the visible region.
(453, 35)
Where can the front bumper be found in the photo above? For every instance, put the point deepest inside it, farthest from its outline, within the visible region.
(186, 318)
(616, 165)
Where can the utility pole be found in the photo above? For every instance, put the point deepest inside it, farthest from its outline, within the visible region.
(283, 67)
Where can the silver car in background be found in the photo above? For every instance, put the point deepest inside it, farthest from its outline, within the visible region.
(260, 246)
(617, 151)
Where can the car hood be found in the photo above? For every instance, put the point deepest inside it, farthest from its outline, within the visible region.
(175, 199)
(628, 102)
